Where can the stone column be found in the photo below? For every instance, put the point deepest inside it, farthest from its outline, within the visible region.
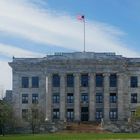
(49, 97)
(92, 97)
(120, 96)
(106, 96)
(62, 97)
(77, 97)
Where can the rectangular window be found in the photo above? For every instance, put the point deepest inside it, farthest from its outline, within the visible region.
(134, 98)
(35, 82)
(133, 113)
(35, 113)
(25, 114)
(56, 114)
(70, 98)
(56, 80)
(134, 81)
(113, 114)
(25, 82)
(84, 80)
(35, 98)
(99, 114)
(70, 80)
(99, 80)
(70, 114)
(113, 98)
(84, 98)
(113, 80)
(99, 98)
(56, 98)
(25, 98)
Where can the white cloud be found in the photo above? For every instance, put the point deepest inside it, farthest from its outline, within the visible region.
(44, 26)
(11, 51)
(5, 77)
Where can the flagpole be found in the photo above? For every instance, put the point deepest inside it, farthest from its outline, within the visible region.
(84, 35)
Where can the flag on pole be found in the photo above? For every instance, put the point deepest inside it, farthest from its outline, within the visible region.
(81, 17)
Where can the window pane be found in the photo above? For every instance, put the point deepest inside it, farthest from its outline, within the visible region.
(25, 82)
(134, 81)
(25, 114)
(56, 113)
(99, 80)
(56, 98)
(56, 80)
(35, 82)
(99, 114)
(84, 80)
(113, 114)
(84, 98)
(35, 98)
(113, 80)
(70, 80)
(99, 98)
(113, 98)
(134, 98)
(70, 98)
(25, 98)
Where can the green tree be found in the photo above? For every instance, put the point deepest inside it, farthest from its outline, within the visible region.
(5, 116)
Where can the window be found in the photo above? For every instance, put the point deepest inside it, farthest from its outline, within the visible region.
(99, 80)
(35, 98)
(134, 81)
(70, 80)
(99, 98)
(25, 82)
(113, 98)
(56, 80)
(56, 98)
(99, 114)
(84, 80)
(25, 114)
(35, 82)
(70, 98)
(56, 114)
(35, 113)
(70, 114)
(113, 114)
(133, 113)
(134, 98)
(25, 98)
(113, 80)
(84, 98)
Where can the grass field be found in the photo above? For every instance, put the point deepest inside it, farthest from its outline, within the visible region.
(65, 136)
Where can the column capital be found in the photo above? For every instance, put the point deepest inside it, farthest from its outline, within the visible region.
(120, 74)
(92, 74)
(62, 74)
(76, 74)
(106, 74)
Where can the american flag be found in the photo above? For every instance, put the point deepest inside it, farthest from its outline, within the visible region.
(81, 17)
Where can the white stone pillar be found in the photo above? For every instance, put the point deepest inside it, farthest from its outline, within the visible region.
(77, 97)
(91, 97)
(120, 96)
(48, 97)
(62, 97)
(106, 96)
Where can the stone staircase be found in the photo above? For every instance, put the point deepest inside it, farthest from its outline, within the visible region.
(87, 127)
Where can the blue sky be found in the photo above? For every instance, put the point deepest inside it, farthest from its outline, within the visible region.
(34, 28)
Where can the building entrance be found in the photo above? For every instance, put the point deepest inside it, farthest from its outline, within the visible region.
(84, 114)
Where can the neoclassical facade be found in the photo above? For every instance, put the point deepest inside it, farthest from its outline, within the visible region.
(78, 86)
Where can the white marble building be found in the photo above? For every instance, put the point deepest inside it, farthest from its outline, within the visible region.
(79, 86)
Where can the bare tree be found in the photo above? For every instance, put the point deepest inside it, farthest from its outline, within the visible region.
(35, 118)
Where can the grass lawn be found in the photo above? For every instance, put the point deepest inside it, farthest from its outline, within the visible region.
(72, 136)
